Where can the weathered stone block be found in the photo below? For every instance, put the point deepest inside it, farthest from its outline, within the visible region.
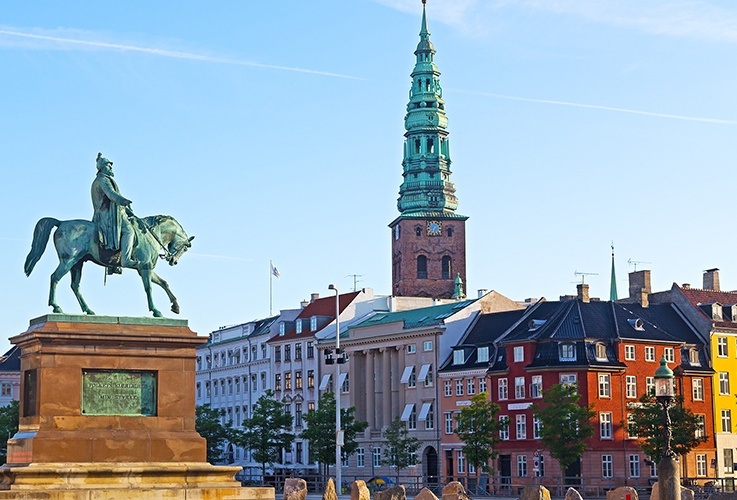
(537, 492)
(295, 488)
(622, 493)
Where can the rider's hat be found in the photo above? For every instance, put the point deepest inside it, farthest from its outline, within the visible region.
(102, 161)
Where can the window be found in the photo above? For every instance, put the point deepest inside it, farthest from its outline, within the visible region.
(422, 267)
(411, 348)
(482, 384)
(600, 351)
(230, 386)
(254, 387)
(299, 330)
(430, 418)
(728, 460)
(519, 354)
(459, 357)
(607, 467)
(521, 465)
(427, 346)
(649, 353)
(471, 387)
(693, 357)
(287, 353)
(536, 388)
(537, 426)
(519, 387)
(461, 463)
(605, 425)
(634, 466)
(629, 352)
(412, 421)
(215, 387)
(669, 354)
(310, 379)
(701, 464)
(429, 377)
(199, 389)
(567, 351)
(263, 351)
(631, 431)
(263, 381)
(503, 388)
(412, 380)
(282, 328)
(482, 354)
(650, 385)
(288, 381)
(724, 383)
(504, 427)
(605, 389)
(310, 349)
(298, 379)
(448, 420)
(631, 386)
(277, 353)
(447, 268)
(277, 382)
(313, 323)
(346, 385)
(448, 387)
(360, 457)
(299, 452)
(701, 429)
(521, 426)
(459, 387)
(568, 378)
(376, 455)
(697, 389)
(298, 351)
(726, 420)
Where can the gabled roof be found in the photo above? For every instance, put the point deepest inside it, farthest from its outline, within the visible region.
(323, 307)
(10, 361)
(698, 297)
(416, 318)
(262, 326)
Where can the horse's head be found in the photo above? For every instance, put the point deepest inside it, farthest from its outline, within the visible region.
(173, 237)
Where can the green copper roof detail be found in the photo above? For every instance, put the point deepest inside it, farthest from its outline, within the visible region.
(458, 289)
(613, 287)
(426, 185)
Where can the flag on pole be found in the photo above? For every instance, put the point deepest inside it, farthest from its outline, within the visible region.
(275, 271)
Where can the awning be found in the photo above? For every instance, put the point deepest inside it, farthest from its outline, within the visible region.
(341, 379)
(425, 410)
(407, 374)
(424, 370)
(324, 382)
(407, 411)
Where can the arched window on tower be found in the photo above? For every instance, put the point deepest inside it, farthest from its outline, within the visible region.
(427, 85)
(417, 146)
(422, 267)
(447, 268)
(431, 146)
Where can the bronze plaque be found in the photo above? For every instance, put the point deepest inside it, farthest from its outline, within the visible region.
(118, 392)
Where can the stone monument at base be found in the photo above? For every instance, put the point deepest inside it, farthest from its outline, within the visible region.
(108, 411)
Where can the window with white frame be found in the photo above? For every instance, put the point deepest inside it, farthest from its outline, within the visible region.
(605, 425)
(503, 388)
(412, 380)
(600, 351)
(461, 463)
(568, 379)
(504, 427)
(412, 421)
(521, 465)
(567, 351)
(726, 420)
(631, 386)
(728, 458)
(430, 377)
(649, 353)
(521, 426)
(298, 326)
(459, 387)
(724, 383)
(360, 457)
(471, 386)
(605, 386)
(459, 357)
(669, 354)
(607, 466)
(537, 427)
(701, 464)
(722, 350)
(697, 389)
(427, 345)
(313, 323)
(310, 349)
(448, 421)
(482, 354)
(519, 354)
(631, 431)
(448, 387)
(634, 466)
(536, 387)
(411, 348)
(693, 357)
(629, 352)
(700, 431)
(519, 387)
(650, 385)
(653, 468)
(482, 384)
(376, 455)
(430, 418)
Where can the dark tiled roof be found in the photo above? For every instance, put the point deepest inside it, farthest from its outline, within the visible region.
(10, 361)
(262, 326)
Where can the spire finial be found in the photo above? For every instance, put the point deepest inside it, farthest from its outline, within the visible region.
(613, 286)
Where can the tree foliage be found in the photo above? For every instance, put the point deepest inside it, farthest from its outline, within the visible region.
(566, 425)
(647, 422)
(208, 422)
(267, 431)
(320, 431)
(8, 426)
(478, 428)
(402, 447)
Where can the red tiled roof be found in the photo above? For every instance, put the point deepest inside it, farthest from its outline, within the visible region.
(697, 296)
(325, 307)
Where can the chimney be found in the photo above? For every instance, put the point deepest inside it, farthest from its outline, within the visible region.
(643, 298)
(711, 279)
(482, 292)
(304, 304)
(583, 292)
(686, 286)
(314, 297)
(639, 282)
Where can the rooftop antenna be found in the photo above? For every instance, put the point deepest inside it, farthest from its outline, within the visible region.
(583, 275)
(635, 262)
(355, 280)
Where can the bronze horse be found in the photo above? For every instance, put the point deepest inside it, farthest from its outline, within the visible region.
(75, 244)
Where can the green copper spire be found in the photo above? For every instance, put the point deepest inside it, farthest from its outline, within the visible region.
(426, 189)
(613, 286)
(458, 289)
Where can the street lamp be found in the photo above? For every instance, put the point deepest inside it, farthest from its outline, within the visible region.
(339, 359)
(669, 474)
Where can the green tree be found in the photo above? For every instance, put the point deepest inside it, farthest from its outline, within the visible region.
(478, 428)
(208, 422)
(566, 425)
(320, 431)
(646, 422)
(402, 447)
(267, 431)
(8, 426)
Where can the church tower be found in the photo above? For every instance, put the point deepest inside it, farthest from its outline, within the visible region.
(428, 237)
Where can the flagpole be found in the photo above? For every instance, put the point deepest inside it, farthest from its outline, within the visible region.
(271, 274)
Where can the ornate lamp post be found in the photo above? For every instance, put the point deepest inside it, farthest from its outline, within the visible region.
(339, 359)
(669, 473)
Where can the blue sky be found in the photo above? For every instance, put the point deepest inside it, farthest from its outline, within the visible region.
(273, 130)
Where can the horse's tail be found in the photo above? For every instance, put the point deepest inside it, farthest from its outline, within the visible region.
(40, 240)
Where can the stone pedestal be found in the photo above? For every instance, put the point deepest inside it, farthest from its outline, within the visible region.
(90, 428)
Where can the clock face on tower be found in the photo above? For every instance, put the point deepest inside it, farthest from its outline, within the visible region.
(434, 228)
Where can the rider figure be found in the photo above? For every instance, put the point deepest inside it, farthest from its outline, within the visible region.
(113, 229)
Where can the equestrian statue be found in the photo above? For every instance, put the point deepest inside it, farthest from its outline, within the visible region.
(114, 239)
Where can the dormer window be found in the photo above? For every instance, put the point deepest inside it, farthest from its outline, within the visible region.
(534, 324)
(299, 326)
(600, 351)
(716, 311)
(459, 357)
(693, 357)
(282, 328)
(567, 351)
(482, 355)
(313, 323)
(637, 324)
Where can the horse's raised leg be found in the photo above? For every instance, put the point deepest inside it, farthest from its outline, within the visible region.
(146, 278)
(76, 278)
(63, 268)
(163, 284)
